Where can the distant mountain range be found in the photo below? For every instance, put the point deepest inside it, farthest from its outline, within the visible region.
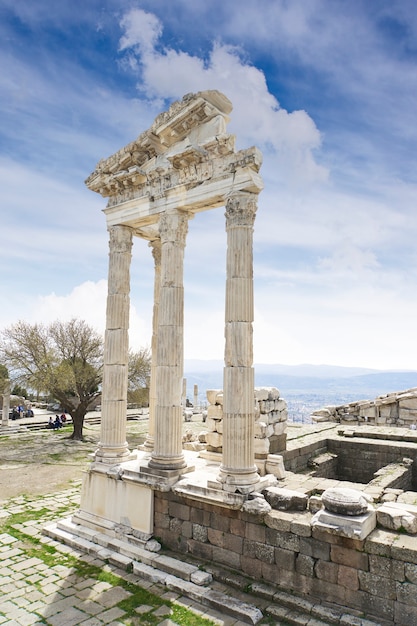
(332, 384)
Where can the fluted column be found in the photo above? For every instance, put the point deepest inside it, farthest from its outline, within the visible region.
(156, 253)
(167, 453)
(6, 403)
(238, 471)
(113, 446)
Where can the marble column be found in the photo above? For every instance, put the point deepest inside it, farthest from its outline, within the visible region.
(6, 403)
(238, 471)
(112, 448)
(148, 446)
(167, 453)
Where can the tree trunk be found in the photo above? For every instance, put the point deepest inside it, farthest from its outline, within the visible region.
(78, 422)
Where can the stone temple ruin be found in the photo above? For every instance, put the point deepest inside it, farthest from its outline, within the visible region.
(326, 516)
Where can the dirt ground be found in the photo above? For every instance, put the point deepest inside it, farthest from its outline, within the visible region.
(38, 462)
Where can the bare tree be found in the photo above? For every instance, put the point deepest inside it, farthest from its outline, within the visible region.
(64, 359)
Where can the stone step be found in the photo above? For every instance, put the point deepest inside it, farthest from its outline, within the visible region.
(290, 607)
(64, 532)
(243, 600)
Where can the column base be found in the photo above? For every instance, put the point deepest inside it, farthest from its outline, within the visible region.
(148, 445)
(112, 455)
(167, 463)
(244, 481)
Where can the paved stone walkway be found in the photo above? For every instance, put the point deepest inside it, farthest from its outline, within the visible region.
(45, 582)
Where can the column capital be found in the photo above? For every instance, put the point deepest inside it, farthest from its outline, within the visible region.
(121, 238)
(241, 209)
(155, 245)
(173, 227)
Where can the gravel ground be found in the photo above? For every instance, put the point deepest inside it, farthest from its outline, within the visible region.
(36, 462)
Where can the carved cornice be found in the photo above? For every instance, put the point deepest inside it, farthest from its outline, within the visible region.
(184, 147)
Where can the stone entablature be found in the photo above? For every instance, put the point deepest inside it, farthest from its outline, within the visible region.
(184, 161)
(393, 409)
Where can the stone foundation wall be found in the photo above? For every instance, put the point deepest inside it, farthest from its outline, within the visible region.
(298, 459)
(324, 465)
(372, 457)
(377, 575)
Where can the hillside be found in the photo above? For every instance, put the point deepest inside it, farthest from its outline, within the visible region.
(305, 387)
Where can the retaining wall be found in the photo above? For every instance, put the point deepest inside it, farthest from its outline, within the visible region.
(377, 576)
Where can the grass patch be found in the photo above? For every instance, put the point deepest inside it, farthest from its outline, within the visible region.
(34, 547)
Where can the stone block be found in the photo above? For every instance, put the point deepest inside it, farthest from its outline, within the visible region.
(226, 557)
(211, 425)
(410, 571)
(280, 428)
(200, 533)
(233, 543)
(398, 516)
(215, 537)
(200, 550)
(277, 443)
(251, 566)
(301, 525)
(389, 568)
(348, 577)
(404, 614)
(275, 465)
(255, 532)
(355, 527)
(378, 585)
(214, 440)
(285, 559)
(409, 403)
(327, 571)
(304, 565)
(315, 548)
(262, 429)
(214, 396)
(278, 521)
(261, 447)
(407, 593)
(350, 558)
(285, 499)
(182, 511)
(215, 411)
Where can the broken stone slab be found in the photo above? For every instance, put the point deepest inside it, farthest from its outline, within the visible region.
(398, 516)
(345, 501)
(282, 499)
(275, 465)
(314, 504)
(256, 506)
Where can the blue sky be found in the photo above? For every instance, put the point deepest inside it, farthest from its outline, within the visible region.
(327, 89)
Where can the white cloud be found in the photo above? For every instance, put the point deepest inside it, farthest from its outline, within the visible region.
(141, 29)
(87, 302)
(257, 116)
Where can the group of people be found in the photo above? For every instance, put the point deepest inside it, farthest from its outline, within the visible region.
(20, 411)
(58, 422)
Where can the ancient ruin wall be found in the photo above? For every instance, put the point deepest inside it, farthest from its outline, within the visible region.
(377, 576)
